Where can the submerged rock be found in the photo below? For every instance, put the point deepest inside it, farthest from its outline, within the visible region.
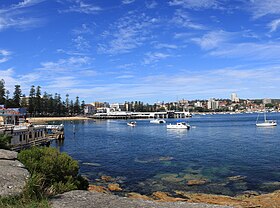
(164, 197)
(106, 178)
(237, 178)
(134, 195)
(197, 182)
(114, 187)
(99, 189)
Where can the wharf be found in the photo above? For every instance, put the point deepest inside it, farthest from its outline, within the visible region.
(140, 115)
(26, 136)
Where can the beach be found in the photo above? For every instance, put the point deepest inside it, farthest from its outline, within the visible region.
(46, 119)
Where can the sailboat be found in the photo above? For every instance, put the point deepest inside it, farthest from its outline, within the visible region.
(266, 123)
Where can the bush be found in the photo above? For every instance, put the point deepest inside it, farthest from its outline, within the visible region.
(4, 141)
(52, 172)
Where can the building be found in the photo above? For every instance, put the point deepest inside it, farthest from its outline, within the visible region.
(89, 109)
(234, 97)
(212, 104)
(266, 101)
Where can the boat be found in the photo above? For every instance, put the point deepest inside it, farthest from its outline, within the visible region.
(266, 123)
(131, 123)
(157, 121)
(179, 125)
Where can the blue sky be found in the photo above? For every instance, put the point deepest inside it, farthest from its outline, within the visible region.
(149, 50)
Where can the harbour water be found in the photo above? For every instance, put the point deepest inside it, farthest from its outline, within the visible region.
(225, 154)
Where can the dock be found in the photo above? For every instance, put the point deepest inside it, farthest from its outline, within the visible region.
(28, 135)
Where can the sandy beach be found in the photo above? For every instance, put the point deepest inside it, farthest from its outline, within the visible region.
(46, 119)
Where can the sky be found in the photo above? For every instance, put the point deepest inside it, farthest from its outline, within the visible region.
(148, 50)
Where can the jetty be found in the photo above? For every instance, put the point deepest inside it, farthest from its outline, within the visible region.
(27, 135)
(140, 115)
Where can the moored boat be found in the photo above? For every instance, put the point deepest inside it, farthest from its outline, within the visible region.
(266, 123)
(179, 125)
(131, 123)
(158, 121)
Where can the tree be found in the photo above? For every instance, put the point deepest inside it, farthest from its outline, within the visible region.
(2, 92)
(38, 101)
(83, 107)
(31, 101)
(16, 97)
(77, 109)
(5, 141)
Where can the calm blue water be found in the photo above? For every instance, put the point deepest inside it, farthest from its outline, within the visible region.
(151, 158)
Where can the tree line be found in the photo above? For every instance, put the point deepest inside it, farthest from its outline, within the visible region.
(38, 104)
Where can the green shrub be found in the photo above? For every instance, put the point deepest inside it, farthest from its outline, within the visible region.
(52, 172)
(4, 141)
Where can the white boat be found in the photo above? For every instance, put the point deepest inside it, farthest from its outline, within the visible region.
(131, 123)
(157, 121)
(266, 123)
(179, 125)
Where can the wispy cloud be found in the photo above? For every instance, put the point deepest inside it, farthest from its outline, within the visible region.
(195, 4)
(182, 18)
(153, 57)
(127, 1)
(83, 29)
(212, 39)
(81, 6)
(128, 33)
(260, 8)
(4, 55)
(81, 44)
(165, 45)
(151, 4)
(274, 25)
(13, 16)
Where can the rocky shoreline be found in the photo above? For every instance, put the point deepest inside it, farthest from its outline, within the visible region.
(13, 177)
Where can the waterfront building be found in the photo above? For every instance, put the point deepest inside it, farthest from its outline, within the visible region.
(234, 97)
(89, 109)
(212, 104)
(266, 101)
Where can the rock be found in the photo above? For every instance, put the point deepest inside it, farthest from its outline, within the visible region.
(99, 189)
(162, 196)
(167, 158)
(8, 155)
(88, 199)
(13, 175)
(196, 182)
(114, 187)
(237, 178)
(134, 195)
(106, 178)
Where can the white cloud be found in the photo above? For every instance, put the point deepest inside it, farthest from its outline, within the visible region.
(183, 19)
(81, 6)
(128, 33)
(260, 8)
(81, 44)
(195, 4)
(165, 45)
(4, 55)
(154, 57)
(212, 39)
(127, 1)
(13, 16)
(249, 51)
(151, 4)
(274, 25)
